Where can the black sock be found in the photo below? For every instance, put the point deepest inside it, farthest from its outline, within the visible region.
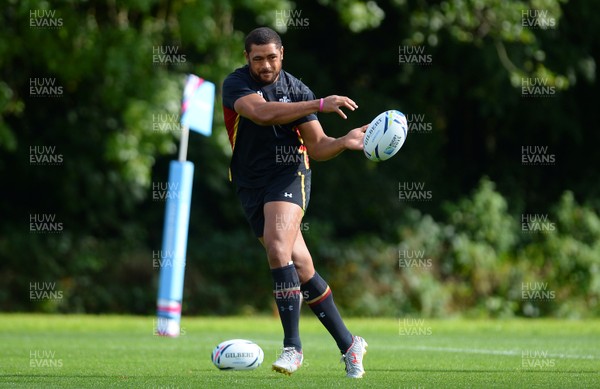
(318, 296)
(286, 290)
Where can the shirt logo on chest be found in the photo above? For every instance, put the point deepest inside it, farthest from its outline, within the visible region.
(285, 99)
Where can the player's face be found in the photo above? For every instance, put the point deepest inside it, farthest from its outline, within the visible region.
(265, 62)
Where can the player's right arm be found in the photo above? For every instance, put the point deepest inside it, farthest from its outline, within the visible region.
(266, 113)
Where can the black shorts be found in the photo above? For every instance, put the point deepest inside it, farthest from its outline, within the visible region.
(291, 188)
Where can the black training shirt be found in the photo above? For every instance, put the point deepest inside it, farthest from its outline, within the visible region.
(263, 152)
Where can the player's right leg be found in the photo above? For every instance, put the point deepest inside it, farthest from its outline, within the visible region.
(281, 225)
(269, 218)
(275, 213)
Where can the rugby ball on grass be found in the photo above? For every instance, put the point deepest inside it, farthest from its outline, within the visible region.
(385, 135)
(237, 354)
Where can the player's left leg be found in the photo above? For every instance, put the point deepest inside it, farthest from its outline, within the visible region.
(319, 298)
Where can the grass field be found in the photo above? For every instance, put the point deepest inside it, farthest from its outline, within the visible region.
(53, 351)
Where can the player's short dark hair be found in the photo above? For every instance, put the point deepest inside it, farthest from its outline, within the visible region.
(262, 36)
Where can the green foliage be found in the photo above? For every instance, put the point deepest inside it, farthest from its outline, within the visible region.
(479, 262)
(570, 258)
(483, 218)
(358, 15)
(105, 127)
(502, 24)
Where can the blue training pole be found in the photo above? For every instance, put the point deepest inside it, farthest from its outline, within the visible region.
(174, 246)
(196, 115)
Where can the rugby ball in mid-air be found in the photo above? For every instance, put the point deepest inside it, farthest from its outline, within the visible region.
(237, 354)
(385, 135)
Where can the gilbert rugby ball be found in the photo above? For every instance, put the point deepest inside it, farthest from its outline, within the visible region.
(237, 354)
(385, 135)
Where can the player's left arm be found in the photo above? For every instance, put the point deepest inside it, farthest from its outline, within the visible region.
(321, 147)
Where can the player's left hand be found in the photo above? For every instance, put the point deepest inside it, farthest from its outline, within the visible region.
(334, 103)
(354, 138)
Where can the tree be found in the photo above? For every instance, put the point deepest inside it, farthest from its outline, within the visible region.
(89, 105)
